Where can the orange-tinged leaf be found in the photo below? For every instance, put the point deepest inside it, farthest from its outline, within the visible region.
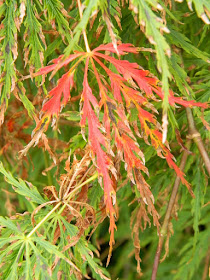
(54, 104)
(179, 100)
(103, 161)
(179, 173)
(122, 48)
(57, 64)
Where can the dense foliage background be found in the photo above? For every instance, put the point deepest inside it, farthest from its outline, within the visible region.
(73, 170)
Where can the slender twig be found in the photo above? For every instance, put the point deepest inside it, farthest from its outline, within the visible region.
(83, 31)
(166, 221)
(195, 135)
(43, 220)
(206, 267)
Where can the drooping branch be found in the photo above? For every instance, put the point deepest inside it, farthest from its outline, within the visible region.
(196, 137)
(167, 218)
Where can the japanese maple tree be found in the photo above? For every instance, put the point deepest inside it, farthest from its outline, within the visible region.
(103, 117)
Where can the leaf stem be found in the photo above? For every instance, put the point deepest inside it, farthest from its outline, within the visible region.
(43, 220)
(83, 31)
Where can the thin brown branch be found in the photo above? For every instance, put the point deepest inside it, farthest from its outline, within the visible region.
(206, 267)
(195, 135)
(167, 218)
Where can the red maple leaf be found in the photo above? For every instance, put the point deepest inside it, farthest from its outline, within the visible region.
(135, 86)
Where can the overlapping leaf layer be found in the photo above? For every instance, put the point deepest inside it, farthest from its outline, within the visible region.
(117, 92)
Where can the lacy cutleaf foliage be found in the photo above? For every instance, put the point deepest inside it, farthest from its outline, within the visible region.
(153, 27)
(8, 53)
(112, 118)
(32, 252)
